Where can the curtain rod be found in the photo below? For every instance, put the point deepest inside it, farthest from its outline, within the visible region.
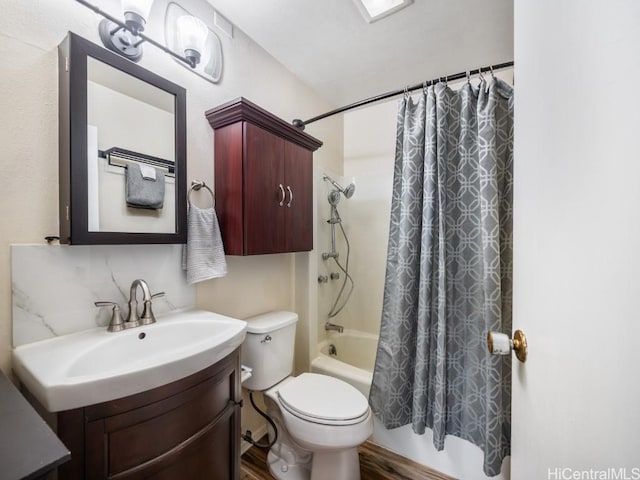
(301, 124)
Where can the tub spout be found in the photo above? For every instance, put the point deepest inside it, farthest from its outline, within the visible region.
(332, 326)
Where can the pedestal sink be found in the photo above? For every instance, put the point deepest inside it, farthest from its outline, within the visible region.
(95, 366)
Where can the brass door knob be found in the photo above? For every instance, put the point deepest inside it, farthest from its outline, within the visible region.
(500, 344)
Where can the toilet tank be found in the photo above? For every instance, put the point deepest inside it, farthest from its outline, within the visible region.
(268, 348)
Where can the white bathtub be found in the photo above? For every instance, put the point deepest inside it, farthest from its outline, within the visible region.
(356, 354)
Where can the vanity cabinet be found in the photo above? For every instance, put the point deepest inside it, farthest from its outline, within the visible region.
(188, 429)
(263, 180)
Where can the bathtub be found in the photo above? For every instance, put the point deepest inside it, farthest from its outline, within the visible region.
(353, 361)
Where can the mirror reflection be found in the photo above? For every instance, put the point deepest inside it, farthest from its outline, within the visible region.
(131, 149)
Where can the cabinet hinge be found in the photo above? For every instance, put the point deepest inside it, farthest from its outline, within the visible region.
(67, 212)
(66, 64)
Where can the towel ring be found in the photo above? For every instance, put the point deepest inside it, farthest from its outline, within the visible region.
(197, 185)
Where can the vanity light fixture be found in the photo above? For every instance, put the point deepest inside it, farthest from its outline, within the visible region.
(126, 38)
(374, 10)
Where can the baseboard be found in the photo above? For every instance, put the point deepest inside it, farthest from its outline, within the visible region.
(256, 435)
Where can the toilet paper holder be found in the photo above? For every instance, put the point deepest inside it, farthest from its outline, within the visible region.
(500, 344)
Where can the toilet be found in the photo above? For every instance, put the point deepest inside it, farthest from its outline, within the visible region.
(321, 420)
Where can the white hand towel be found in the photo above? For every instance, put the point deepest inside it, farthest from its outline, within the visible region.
(203, 255)
(148, 172)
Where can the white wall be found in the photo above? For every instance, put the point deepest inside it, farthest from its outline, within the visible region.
(145, 129)
(577, 237)
(369, 148)
(369, 143)
(113, 213)
(29, 135)
(30, 32)
(55, 286)
(327, 291)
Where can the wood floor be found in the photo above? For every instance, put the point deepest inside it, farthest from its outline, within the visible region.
(376, 463)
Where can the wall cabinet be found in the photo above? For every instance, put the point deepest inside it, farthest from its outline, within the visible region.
(98, 141)
(189, 429)
(263, 180)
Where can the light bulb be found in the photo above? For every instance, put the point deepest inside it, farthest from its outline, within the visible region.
(136, 13)
(192, 35)
(139, 7)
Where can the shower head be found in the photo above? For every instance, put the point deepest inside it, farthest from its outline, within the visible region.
(347, 191)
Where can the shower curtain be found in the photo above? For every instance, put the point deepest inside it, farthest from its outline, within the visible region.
(448, 273)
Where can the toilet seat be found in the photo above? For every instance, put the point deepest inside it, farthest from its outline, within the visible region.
(323, 399)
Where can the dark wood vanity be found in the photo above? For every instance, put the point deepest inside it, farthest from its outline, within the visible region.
(188, 429)
(263, 180)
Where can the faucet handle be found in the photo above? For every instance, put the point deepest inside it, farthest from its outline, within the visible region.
(105, 304)
(117, 323)
(147, 316)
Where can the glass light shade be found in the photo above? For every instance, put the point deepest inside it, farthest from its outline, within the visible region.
(139, 7)
(192, 33)
(208, 64)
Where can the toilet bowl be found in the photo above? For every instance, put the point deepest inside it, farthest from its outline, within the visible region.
(320, 420)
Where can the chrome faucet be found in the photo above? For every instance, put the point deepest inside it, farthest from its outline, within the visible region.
(117, 324)
(147, 318)
(332, 326)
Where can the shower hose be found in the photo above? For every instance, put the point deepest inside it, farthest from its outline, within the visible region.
(335, 309)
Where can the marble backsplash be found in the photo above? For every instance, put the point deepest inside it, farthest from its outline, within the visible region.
(54, 286)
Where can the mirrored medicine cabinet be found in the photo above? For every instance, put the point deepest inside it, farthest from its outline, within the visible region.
(122, 175)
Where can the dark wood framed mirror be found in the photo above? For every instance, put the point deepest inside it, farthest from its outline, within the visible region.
(122, 172)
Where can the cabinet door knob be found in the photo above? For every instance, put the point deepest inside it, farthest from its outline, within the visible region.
(290, 196)
(283, 194)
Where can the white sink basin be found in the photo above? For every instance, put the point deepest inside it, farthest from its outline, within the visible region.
(96, 366)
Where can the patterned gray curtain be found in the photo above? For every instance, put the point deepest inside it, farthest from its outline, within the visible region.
(448, 277)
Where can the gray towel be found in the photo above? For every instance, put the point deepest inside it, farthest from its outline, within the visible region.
(203, 255)
(141, 192)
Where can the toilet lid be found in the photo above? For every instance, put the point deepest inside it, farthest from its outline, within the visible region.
(323, 399)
